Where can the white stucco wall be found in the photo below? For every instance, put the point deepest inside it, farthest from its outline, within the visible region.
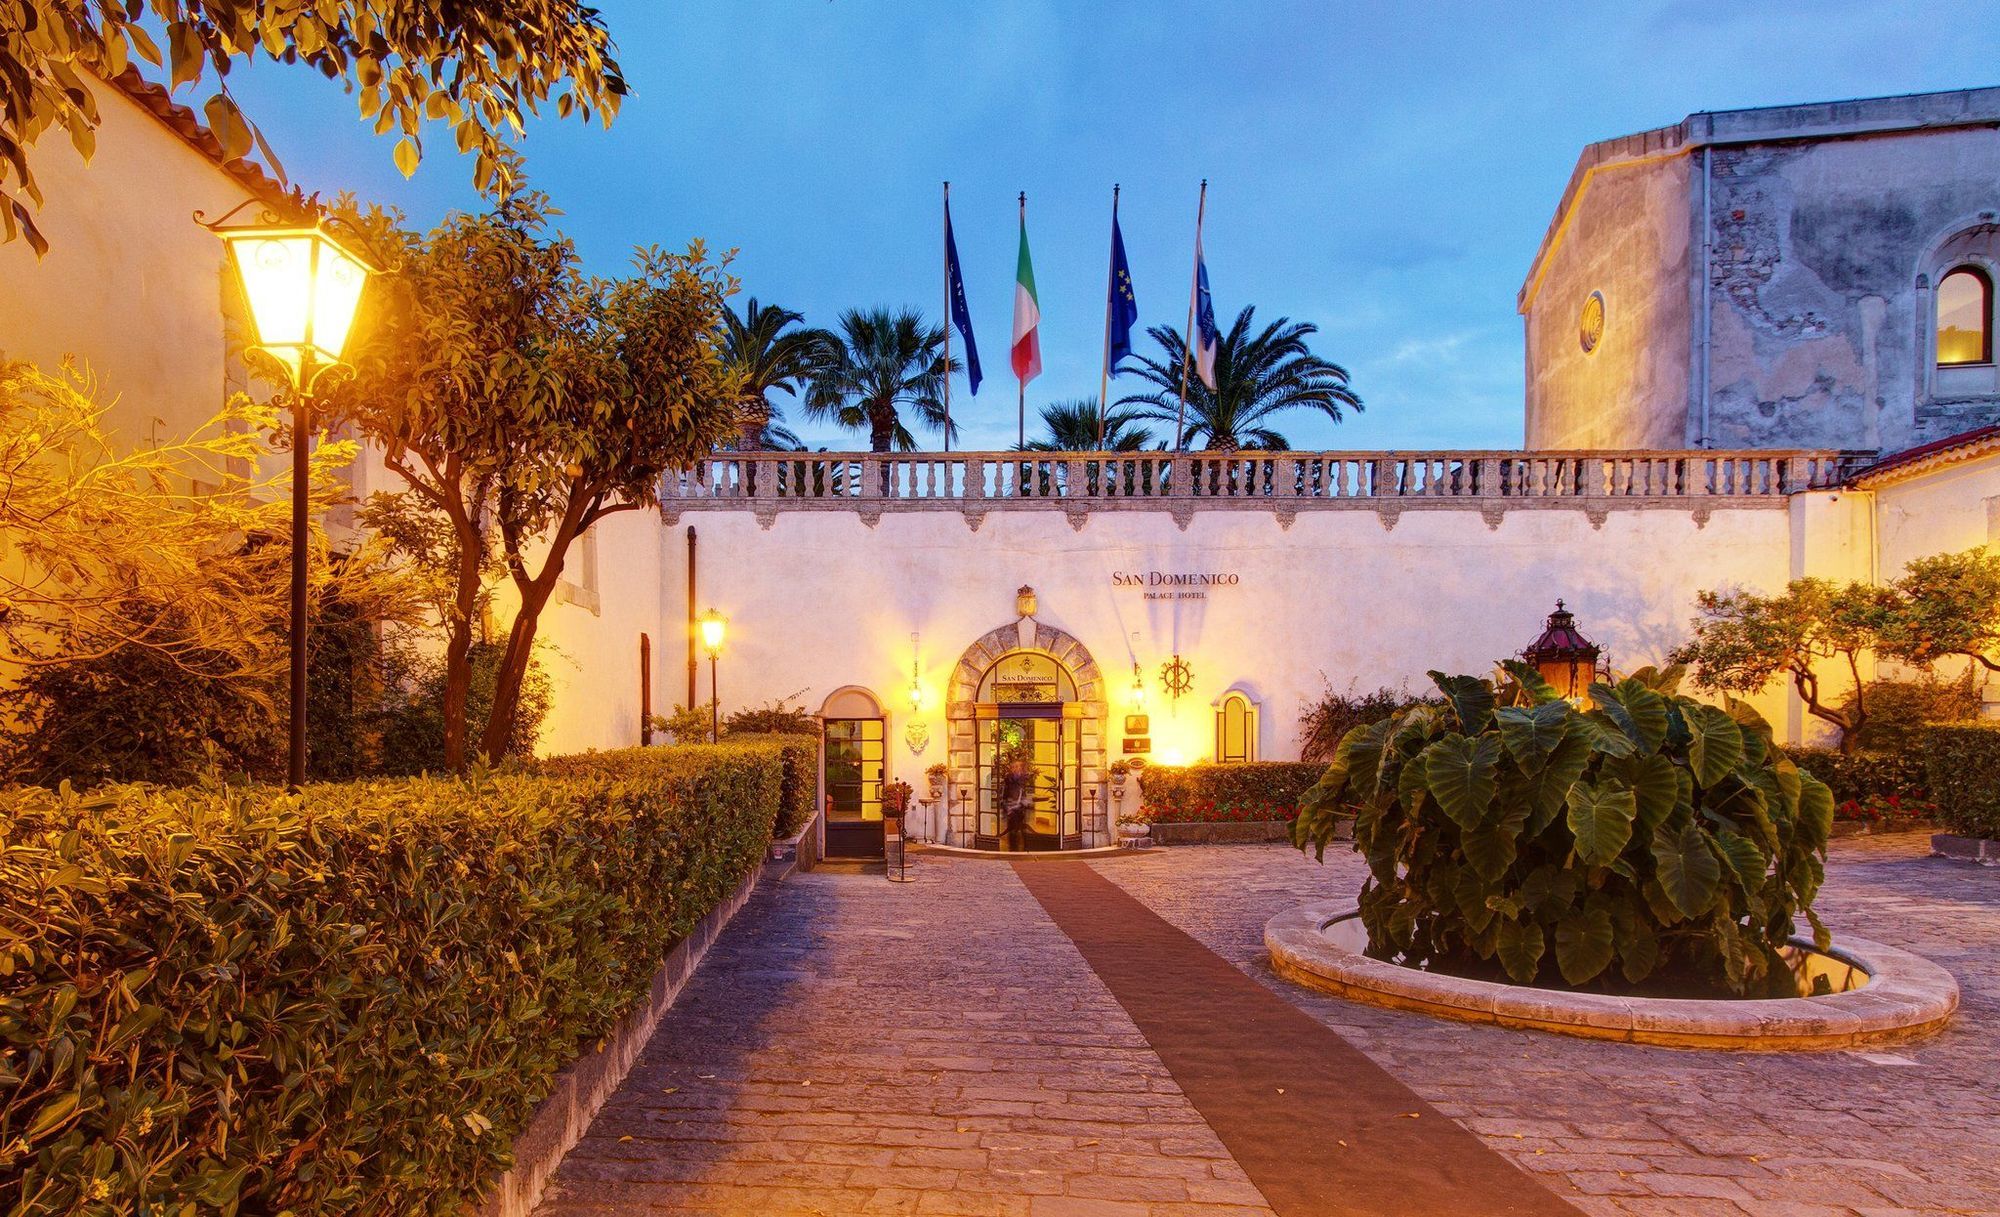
(131, 285)
(821, 600)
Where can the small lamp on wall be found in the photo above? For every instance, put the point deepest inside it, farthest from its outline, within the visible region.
(916, 690)
(1565, 658)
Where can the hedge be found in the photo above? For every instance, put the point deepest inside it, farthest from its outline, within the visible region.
(1855, 777)
(1224, 794)
(1964, 764)
(798, 756)
(343, 1001)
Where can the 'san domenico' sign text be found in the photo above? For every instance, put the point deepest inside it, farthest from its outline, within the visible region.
(1174, 585)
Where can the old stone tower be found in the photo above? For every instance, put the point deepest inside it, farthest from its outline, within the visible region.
(1810, 276)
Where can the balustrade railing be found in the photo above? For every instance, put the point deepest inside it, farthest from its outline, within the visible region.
(959, 478)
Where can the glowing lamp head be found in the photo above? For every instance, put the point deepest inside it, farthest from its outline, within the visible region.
(1564, 657)
(303, 289)
(713, 626)
(916, 696)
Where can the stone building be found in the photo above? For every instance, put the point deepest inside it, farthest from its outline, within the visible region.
(1796, 276)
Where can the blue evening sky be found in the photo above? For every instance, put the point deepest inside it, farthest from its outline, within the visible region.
(1384, 171)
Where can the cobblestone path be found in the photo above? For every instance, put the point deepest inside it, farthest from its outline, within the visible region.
(854, 1046)
(1913, 1129)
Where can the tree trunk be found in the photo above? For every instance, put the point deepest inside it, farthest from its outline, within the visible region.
(458, 651)
(881, 428)
(514, 663)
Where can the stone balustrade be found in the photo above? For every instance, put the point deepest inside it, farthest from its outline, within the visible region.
(1282, 482)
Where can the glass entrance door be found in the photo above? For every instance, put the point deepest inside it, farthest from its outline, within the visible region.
(854, 756)
(1029, 757)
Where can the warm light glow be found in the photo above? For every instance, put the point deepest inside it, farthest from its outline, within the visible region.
(916, 697)
(303, 290)
(1138, 688)
(1172, 756)
(713, 626)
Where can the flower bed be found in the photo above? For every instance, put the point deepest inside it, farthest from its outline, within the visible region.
(218, 1000)
(1245, 793)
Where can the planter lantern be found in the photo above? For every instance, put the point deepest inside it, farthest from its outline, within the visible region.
(1565, 658)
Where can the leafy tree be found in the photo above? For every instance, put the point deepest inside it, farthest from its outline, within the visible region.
(164, 548)
(770, 357)
(1072, 427)
(881, 364)
(1946, 605)
(480, 67)
(1743, 641)
(526, 403)
(1258, 375)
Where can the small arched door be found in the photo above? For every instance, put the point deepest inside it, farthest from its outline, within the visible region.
(854, 758)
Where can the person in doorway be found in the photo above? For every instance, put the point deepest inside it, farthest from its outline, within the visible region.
(1017, 800)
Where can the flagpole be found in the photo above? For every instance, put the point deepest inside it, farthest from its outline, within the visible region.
(1104, 373)
(1021, 404)
(1187, 344)
(945, 252)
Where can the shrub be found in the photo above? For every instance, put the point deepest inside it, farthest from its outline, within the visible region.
(413, 726)
(1898, 711)
(797, 755)
(346, 1001)
(686, 725)
(1654, 833)
(1853, 776)
(1324, 723)
(1221, 794)
(1963, 760)
(778, 718)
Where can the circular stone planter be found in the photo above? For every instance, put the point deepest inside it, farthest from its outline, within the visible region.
(1899, 996)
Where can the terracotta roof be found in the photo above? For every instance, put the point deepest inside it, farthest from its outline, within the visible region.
(1980, 441)
(183, 122)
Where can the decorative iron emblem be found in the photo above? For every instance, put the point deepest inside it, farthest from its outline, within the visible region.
(1177, 676)
(917, 736)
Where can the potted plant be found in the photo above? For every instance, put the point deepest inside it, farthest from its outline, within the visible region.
(1120, 770)
(896, 799)
(936, 774)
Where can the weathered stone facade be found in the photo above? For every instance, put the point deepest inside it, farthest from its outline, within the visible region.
(1766, 279)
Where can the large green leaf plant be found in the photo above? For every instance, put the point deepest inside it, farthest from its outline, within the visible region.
(1649, 836)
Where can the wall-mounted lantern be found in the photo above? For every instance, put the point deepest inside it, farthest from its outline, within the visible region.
(1565, 658)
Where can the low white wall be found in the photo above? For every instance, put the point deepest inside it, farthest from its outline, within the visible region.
(820, 600)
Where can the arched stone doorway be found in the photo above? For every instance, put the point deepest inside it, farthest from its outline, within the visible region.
(854, 757)
(1026, 725)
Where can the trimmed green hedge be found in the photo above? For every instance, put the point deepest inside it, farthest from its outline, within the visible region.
(1854, 777)
(798, 758)
(344, 1001)
(1225, 794)
(1964, 764)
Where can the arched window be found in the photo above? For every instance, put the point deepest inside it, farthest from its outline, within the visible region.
(1235, 729)
(1964, 317)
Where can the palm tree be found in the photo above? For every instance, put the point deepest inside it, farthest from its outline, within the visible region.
(1257, 376)
(771, 358)
(878, 364)
(1073, 428)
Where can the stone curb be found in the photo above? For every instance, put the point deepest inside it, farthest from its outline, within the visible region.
(1907, 997)
(1966, 849)
(582, 1087)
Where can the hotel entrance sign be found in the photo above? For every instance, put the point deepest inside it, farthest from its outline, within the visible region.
(1174, 585)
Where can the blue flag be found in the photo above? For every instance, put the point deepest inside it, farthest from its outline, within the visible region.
(961, 315)
(1206, 336)
(1124, 305)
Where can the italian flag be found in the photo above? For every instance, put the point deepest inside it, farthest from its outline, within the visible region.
(1027, 314)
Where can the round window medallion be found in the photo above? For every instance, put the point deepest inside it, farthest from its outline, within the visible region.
(1590, 327)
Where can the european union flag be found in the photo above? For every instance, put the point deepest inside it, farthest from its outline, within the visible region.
(1124, 305)
(961, 315)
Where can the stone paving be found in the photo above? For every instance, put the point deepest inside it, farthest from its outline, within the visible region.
(1912, 1129)
(939, 1047)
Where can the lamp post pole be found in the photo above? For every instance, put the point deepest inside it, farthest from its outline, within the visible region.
(714, 703)
(301, 487)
